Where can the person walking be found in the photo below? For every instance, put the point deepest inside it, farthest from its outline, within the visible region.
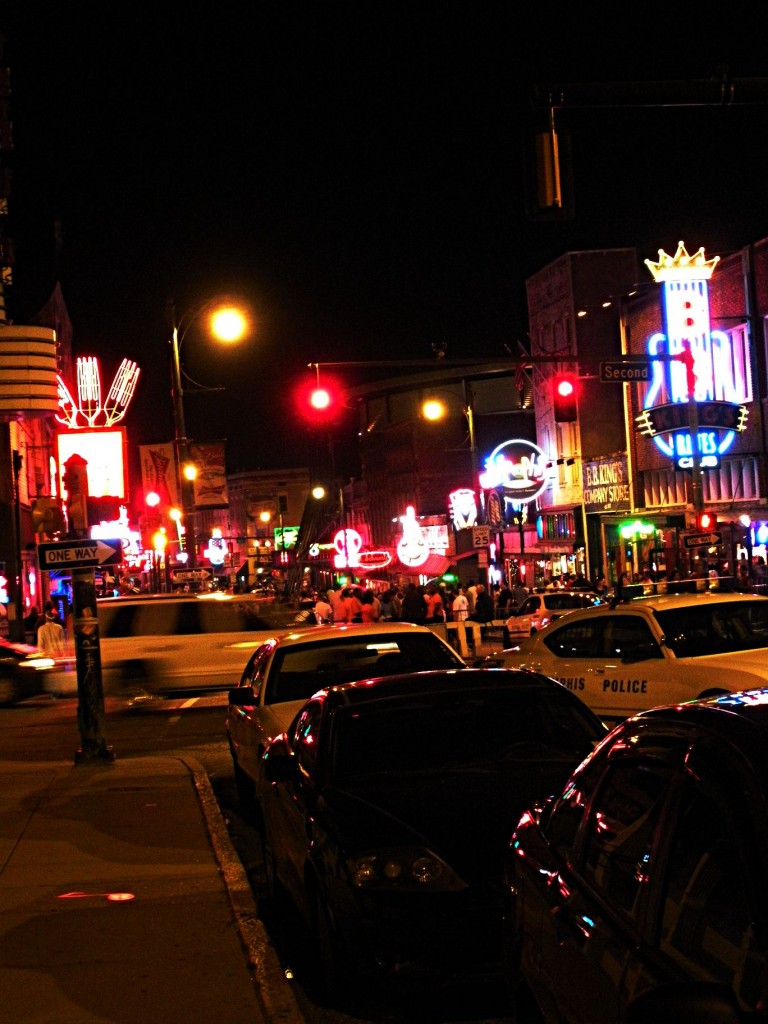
(369, 610)
(460, 606)
(50, 638)
(323, 610)
(435, 608)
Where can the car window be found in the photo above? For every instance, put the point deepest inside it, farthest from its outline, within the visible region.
(707, 920)
(299, 671)
(306, 736)
(620, 831)
(230, 617)
(583, 639)
(529, 606)
(448, 731)
(567, 812)
(257, 664)
(116, 620)
(722, 628)
(629, 636)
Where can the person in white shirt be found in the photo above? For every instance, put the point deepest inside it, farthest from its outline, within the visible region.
(50, 638)
(460, 606)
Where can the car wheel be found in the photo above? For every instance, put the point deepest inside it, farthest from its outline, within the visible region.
(714, 692)
(330, 972)
(270, 869)
(9, 690)
(244, 787)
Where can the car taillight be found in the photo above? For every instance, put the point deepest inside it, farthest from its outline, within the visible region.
(404, 869)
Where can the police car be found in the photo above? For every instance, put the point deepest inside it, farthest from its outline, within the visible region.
(656, 650)
(539, 609)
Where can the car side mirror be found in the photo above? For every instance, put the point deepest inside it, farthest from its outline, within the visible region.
(279, 764)
(243, 696)
(700, 1002)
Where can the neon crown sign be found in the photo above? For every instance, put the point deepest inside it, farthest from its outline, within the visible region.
(700, 378)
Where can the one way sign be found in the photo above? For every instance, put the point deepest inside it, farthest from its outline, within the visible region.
(79, 554)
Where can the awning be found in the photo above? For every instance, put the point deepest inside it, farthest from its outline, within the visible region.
(435, 565)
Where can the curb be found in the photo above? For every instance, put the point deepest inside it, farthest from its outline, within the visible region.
(274, 993)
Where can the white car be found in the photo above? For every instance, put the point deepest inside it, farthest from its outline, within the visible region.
(158, 644)
(653, 650)
(287, 670)
(539, 609)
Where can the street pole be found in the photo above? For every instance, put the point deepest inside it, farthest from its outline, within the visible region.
(180, 439)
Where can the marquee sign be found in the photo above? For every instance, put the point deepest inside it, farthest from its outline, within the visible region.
(701, 377)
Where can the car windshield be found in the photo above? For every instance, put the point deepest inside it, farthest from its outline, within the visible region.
(723, 628)
(452, 731)
(301, 670)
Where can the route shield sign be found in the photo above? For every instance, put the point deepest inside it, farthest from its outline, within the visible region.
(79, 554)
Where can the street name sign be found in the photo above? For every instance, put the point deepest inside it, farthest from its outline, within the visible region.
(79, 554)
(700, 540)
(625, 371)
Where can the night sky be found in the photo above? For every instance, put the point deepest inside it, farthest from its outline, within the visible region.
(356, 170)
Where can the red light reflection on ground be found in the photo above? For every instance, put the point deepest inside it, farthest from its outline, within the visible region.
(113, 897)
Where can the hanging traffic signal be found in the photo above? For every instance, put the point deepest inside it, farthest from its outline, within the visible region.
(319, 403)
(565, 397)
(704, 522)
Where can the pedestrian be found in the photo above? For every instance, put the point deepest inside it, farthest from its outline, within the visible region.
(414, 606)
(52, 612)
(350, 607)
(323, 610)
(32, 621)
(504, 599)
(619, 596)
(483, 605)
(435, 607)
(471, 595)
(369, 608)
(50, 638)
(460, 606)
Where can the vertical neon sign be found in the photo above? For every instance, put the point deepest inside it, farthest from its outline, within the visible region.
(691, 362)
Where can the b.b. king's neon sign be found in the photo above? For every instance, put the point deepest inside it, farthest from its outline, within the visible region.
(693, 364)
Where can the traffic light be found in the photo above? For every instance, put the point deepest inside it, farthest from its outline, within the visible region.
(704, 522)
(565, 397)
(319, 403)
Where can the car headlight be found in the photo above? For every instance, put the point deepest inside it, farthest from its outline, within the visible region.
(403, 869)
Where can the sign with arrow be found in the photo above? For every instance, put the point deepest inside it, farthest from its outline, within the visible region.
(190, 575)
(79, 554)
(700, 540)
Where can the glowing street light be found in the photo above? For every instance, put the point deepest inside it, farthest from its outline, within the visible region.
(227, 323)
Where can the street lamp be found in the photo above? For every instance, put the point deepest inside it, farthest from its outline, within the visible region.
(435, 408)
(228, 323)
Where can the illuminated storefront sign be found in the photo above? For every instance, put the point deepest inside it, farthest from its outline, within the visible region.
(419, 541)
(350, 555)
(104, 451)
(463, 506)
(90, 409)
(701, 378)
(518, 468)
(605, 485)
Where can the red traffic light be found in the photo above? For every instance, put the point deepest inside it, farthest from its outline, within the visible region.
(565, 397)
(318, 403)
(705, 521)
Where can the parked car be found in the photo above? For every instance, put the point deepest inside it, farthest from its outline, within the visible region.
(26, 672)
(651, 651)
(157, 644)
(638, 894)
(387, 804)
(286, 670)
(539, 609)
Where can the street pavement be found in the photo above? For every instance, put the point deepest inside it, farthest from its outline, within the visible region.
(123, 900)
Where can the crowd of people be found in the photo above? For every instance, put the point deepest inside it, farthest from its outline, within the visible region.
(435, 602)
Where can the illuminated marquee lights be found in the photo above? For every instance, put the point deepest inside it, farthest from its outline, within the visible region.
(349, 554)
(89, 410)
(693, 363)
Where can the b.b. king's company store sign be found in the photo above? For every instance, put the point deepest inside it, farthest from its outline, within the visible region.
(606, 485)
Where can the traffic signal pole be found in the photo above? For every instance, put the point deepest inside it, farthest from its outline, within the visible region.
(91, 718)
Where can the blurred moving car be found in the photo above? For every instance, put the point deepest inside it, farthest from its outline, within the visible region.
(651, 651)
(638, 894)
(386, 809)
(161, 643)
(26, 672)
(286, 670)
(539, 609)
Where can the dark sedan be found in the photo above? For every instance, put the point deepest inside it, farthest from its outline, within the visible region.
(26, 672)
(388, 804)
(638, 894)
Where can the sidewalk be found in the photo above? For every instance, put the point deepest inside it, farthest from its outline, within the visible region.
(122, 900)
